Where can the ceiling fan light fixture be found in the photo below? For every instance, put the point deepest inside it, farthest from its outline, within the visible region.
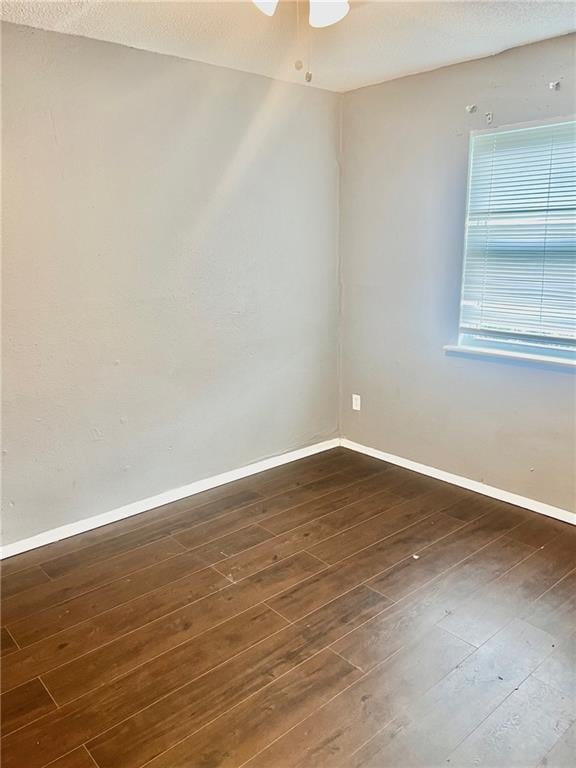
(324, 13)
(266, 6)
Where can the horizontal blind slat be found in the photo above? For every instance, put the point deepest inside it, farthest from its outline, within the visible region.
(520, 260)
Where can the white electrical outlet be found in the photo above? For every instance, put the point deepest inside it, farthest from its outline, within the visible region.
(356, 402)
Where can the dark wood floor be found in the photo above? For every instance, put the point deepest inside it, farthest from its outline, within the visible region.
(337, 612)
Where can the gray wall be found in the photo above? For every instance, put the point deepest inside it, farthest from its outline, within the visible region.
(170, 276)
(170, 280)
(507, 424)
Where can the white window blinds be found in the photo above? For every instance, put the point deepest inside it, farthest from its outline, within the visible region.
(519, 281)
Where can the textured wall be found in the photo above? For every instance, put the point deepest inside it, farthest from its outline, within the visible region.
(170, 279)
(508, 424)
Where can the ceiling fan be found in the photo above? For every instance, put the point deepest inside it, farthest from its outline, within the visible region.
(323, 13)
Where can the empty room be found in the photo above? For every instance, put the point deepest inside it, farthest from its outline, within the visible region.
(288, 384)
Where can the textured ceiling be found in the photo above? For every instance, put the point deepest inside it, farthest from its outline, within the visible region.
(377, 41)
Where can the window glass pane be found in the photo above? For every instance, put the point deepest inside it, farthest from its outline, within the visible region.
(520, 263)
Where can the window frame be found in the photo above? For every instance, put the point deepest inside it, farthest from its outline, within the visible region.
(521, 349)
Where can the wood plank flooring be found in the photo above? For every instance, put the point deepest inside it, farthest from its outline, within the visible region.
(336, 612)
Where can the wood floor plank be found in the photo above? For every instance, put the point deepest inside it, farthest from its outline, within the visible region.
(512, 594)
(14, 583)
(149, 732)
(336, 730)
(521, 731)
(220, 630)
(364, 565)
(394, 519)
(175, 521)
(24, 704)
(297, 539)
(59, 649)
(152, 525)
(103, 664)
(196, 700)
(236, 736)
(7, 642)
(292, 476)
(414, 617)
(450, 711)
(68, 727)
(64, 564)
(409, 484)
(286, 520)
(212, 503)
(232, 544)
(90, 604)
(287, 477)
(79, 582)
(411, 574)
(261, 511)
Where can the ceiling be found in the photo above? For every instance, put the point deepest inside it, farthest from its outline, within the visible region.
(377, 41)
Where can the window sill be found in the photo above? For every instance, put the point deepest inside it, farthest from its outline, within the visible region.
(462, 349)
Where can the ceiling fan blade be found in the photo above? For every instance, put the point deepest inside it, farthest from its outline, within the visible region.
(266, 6)
(323, 13)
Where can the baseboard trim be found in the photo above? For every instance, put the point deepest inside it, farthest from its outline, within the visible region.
(472, 485)
(136, 507)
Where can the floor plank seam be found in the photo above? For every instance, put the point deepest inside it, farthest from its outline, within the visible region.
(316, 557)
(35, 719)
(90, 755)
(48, 692)
(285, 618)
(378, 591)
(41, 566)
(7, 630)
(263, 527)
(348, 661)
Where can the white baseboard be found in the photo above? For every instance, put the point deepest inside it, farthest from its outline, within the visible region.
(136, 507)
(464, 482)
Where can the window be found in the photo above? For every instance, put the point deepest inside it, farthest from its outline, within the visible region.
(519, 278)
